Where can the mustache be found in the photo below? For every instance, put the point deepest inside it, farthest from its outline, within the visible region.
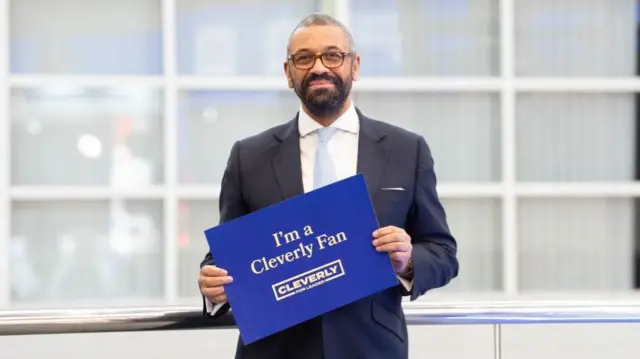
(325, 76)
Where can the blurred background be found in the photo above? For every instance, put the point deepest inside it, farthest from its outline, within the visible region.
(117, 118)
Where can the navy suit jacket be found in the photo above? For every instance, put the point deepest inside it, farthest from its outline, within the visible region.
(265, 169)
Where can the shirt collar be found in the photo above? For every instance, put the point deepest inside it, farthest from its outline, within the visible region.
(348, 122)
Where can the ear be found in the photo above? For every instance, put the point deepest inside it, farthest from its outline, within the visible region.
(355, 67)
(287, 74)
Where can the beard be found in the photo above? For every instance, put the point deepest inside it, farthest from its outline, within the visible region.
(323, 102)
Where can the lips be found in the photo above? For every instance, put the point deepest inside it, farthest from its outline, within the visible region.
(320, 83)
(321, 80)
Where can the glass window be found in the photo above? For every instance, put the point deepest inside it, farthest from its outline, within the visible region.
(575, 37)
(575, 137)
(86, 37)
(210, 122)
(86, 251)
(462, 130)
(581, 244)
(194, 217)
(231, 37)
(82, 136)
(475, 223)
(426, 37)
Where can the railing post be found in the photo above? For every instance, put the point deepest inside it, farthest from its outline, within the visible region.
(497, 341)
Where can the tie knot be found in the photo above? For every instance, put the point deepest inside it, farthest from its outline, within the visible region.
(325, 133)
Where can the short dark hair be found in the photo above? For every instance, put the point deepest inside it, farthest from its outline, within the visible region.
(319, 19)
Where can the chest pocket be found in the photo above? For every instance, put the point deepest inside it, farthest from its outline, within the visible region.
(392, 206)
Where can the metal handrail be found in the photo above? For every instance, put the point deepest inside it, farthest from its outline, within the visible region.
(25, 322)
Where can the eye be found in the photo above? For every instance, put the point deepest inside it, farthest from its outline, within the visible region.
(333, 56)
(302, 58)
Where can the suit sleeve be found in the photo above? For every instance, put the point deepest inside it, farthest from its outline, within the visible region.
(231, 206)
(434, 254)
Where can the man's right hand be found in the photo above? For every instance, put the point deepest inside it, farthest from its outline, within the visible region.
(211, 282)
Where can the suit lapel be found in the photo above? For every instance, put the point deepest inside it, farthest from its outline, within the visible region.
(286, 160)
(372, 155)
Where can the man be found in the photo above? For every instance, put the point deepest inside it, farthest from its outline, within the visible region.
(300, 156)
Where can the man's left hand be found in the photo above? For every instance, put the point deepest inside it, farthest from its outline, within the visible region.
(397, 243)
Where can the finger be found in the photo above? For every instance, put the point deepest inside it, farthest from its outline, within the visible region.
(213, 271)
(220, 298)
(215, 296)
(394, 247)
(390, 238)
(385, 231)
(213, 292)
(399, 256)
(209, 282)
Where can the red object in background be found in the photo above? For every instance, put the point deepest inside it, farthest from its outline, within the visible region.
(184, 240)
(183, 209)
(124, 128)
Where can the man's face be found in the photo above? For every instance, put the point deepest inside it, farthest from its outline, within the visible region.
(322, 84)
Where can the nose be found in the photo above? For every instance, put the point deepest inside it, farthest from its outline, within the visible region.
(318, 67)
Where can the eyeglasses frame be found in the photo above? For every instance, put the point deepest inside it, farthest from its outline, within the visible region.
(319, 56)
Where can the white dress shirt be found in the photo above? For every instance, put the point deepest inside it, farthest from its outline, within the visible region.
(343, 147)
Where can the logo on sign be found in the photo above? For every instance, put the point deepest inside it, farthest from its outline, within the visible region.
(308, 280)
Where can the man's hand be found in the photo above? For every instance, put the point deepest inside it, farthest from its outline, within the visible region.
(397, 243)
(211, 282)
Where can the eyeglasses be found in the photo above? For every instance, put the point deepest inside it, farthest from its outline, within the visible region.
(331, 59)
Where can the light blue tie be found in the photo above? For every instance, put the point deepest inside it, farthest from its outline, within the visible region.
(324, 170)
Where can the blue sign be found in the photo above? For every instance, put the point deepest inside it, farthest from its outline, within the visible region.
(301, 258)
